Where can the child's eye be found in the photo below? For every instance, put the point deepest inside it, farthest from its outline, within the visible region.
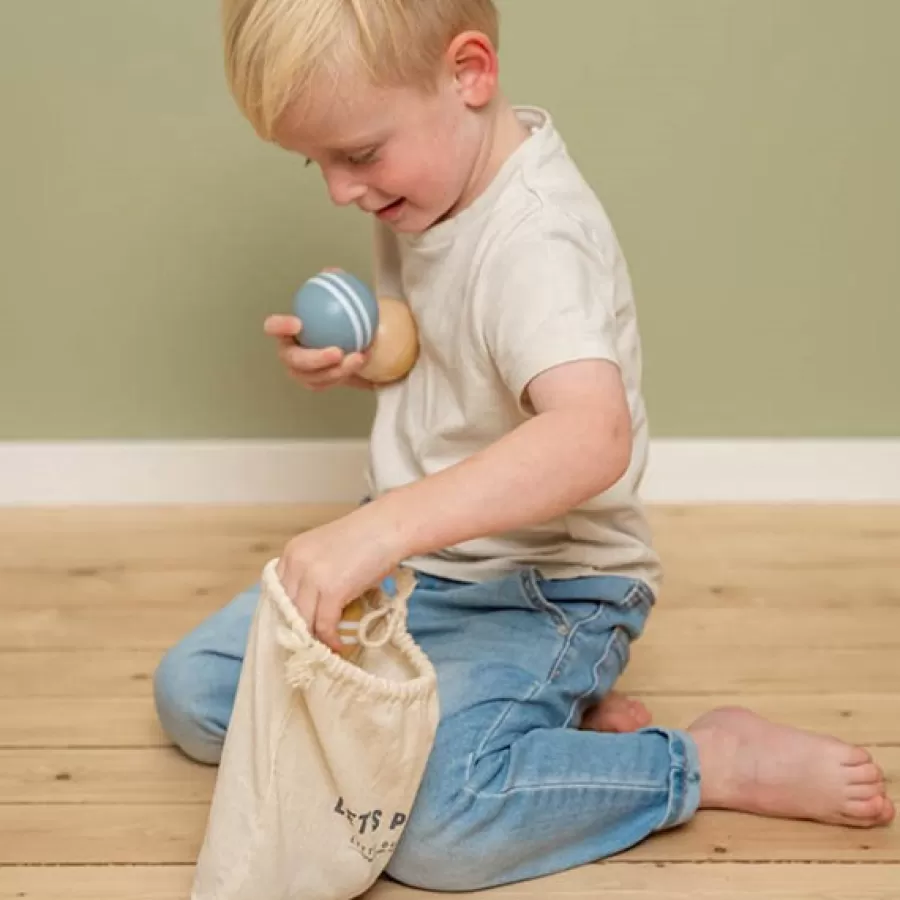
(363, 158)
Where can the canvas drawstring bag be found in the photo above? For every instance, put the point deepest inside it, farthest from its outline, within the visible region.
(323, 757)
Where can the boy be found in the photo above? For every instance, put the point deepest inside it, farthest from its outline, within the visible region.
(504, 469)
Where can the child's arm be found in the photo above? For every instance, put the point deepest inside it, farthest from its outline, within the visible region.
(577, 445)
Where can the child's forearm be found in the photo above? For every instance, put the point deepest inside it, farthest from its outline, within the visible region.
(545, 467)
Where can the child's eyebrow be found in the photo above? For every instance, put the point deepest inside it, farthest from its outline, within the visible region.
(355, 148)
(361, 142)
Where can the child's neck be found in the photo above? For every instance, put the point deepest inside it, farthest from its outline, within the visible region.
(503, 135)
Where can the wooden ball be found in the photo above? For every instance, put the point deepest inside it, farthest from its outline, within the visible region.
(348, 627)
(396, 346)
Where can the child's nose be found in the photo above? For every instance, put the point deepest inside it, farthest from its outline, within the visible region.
(343, 187)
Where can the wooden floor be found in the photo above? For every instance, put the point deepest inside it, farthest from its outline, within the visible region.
(793, 611)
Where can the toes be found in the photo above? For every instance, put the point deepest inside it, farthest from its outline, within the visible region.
(865, 791)
(870, 810)
(636, 708)
(857, 756)
(641, 715)
(623, 722)
(867, 773)
(877, 812)
(616, 713)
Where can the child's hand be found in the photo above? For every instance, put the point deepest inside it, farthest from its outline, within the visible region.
(325, 569)
(317, 370)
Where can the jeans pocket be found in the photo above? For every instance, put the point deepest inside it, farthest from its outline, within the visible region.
(530, 580)
(593, 603)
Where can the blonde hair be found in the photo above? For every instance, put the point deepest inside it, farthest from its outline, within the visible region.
(275, 48)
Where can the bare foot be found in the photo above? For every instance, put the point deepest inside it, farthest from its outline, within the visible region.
(616, 712)
(752, 765)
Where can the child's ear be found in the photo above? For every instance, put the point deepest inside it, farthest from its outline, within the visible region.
(473, 62)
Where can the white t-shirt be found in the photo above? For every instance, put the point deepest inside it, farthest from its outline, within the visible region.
(527, 277)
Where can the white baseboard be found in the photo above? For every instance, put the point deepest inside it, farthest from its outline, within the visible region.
(774, 471)
(680, 471)
(143, 472)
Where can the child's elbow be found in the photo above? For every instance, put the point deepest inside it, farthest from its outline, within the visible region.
(621, 449)
(614, 454)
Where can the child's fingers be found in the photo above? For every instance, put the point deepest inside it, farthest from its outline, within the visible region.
(327, 619)
(303, 361)
(324, 384)
(282, 326)
(335, 375)
(355, 363)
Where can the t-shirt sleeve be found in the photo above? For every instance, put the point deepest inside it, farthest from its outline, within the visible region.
(550, 300)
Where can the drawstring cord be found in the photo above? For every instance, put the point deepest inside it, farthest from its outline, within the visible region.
(390, 610)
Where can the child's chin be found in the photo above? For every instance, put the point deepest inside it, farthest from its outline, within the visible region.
(411, 221)
(408, 227)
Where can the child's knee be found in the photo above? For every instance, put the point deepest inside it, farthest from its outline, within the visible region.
(438, 863)
(450, 844)
(183, 705)
(432, 862)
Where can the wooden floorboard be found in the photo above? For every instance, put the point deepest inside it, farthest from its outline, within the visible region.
(108, 775)
(85, 722)
(130, 721)
(799, 608)
(611, 881)
(135, 833)
(104, 626)
(694, 882)
(158, 776)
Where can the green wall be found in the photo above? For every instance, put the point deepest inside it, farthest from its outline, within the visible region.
(746, 150)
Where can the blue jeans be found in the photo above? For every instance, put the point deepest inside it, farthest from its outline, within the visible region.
(513, 790)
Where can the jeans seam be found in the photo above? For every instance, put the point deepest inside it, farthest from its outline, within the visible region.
(490, 732)
(536, 598)
(676, 788)
(614, 638)
(569, 786)
(602, 610)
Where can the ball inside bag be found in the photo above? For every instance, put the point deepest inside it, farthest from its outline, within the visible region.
(348, 628)
(337, 310)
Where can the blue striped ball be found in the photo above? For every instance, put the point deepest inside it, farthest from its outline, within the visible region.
(337, 310)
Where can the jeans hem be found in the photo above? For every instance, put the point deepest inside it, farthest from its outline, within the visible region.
(684, 779)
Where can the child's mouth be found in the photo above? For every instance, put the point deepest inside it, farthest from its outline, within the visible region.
(391, 211)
